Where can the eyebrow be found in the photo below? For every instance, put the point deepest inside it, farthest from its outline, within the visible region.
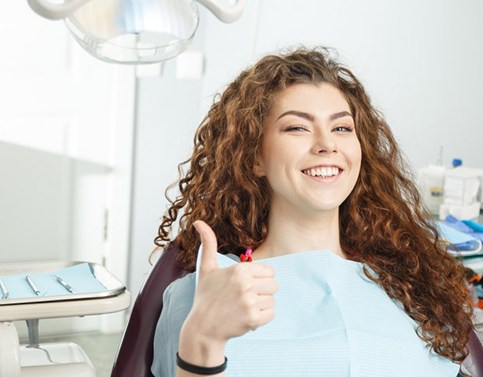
(311, 118)
(340, 114)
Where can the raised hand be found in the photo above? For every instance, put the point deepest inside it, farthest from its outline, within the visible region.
(228, 302)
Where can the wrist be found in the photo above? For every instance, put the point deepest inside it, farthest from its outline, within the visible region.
(199, 348)
(200, 370)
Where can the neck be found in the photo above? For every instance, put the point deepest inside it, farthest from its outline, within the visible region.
(291, 233)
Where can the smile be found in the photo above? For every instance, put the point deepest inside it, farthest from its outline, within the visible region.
(324, 172)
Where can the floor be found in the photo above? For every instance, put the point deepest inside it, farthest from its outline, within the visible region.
(92, 344)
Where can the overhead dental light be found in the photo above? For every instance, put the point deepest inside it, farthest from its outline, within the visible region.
(134, 31)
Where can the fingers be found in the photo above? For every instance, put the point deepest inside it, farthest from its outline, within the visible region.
(265, 286)
(258, 303)
(244, 290)
(260, 270)
(266, 316)
(208, 262)
(260, 318)
(209, 247)
(266, 302)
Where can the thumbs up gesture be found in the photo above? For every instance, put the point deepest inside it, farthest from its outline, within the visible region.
(230, 301)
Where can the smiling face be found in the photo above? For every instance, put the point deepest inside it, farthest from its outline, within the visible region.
(311, 155)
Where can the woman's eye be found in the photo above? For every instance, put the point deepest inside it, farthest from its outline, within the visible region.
(343, 129)
(296, 128)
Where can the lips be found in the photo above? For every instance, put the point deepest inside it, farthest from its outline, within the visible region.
(322, 171)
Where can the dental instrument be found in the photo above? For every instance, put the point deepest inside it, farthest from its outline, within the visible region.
(5, 291)
(63, 283)
(32, 285)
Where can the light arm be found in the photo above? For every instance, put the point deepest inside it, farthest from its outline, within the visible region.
(52, 11)
(227, 14)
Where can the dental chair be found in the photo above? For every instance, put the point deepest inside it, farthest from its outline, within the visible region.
(135, 355)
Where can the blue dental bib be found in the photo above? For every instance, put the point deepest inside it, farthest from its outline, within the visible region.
(331, 320)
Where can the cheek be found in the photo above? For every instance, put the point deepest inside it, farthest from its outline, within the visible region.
(278, 153)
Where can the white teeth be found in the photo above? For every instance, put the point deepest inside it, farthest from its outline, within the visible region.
(322, 171)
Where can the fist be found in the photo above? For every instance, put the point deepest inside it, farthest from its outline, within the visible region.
(230, 301)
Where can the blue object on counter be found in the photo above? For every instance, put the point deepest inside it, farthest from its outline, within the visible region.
(457, 224)
(472, 245)
(477, 227)
(459, 243)
(465, 226)
(457, 162)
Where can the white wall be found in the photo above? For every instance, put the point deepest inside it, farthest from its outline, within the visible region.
(65, 153)
(167, 116)
(419, 60)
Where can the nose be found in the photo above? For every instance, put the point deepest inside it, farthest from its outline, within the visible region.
(324, 142)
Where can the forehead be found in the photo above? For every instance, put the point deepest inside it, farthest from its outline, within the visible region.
(309, 97)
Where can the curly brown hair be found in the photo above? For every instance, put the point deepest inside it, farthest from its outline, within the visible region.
(383, 222)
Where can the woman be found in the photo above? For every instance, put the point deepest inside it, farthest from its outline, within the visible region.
(294, 169)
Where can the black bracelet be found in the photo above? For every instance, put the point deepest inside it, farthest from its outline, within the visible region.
(196, 369)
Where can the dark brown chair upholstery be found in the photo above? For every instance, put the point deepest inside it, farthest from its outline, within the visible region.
(135, 355)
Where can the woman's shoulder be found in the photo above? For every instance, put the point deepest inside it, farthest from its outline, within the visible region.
(180, 292)
(177, 302)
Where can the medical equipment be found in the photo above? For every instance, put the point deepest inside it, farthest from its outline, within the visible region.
(4, 289)
(432, 182)
(64, 284)
(461, 188)
(460, 244)
(32, 285)
(477, 227)
(95, 291)
(134, 31)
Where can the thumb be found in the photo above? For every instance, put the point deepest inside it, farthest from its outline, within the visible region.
(209, 246)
